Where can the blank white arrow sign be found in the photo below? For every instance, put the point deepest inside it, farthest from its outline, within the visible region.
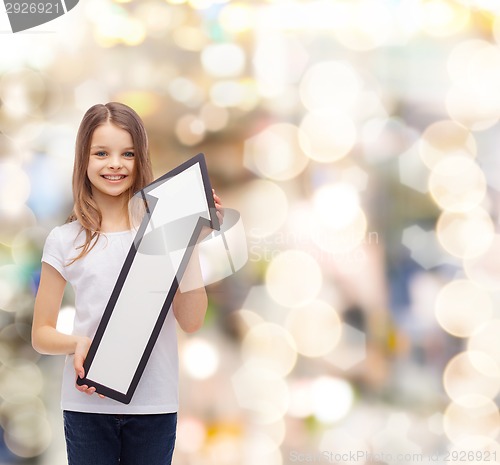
(178, 205)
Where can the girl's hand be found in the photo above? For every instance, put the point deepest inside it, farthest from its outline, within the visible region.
(81, 350)
(218, 206)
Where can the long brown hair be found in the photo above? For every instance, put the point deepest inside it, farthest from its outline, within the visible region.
(85, 209)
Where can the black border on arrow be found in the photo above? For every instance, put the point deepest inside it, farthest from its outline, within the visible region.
(150, 205)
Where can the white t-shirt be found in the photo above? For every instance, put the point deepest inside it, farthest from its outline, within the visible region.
(93, 278)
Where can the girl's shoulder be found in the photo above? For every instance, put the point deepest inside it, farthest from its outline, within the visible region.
(66, 233)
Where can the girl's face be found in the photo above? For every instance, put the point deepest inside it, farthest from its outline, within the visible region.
(111, 162)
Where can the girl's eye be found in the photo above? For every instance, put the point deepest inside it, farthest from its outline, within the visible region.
(101, 154)
(129, 154)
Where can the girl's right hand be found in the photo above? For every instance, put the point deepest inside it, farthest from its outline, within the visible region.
(81, 350)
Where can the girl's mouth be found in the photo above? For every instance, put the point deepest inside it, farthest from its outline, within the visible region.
(110, 177)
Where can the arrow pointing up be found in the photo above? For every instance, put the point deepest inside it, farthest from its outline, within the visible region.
(178, 205)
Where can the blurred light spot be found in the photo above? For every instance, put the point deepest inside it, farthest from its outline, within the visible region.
(66, 320)
(343, 441)
(237, 17)
(300, 399)
(473, 100)
(275, 152)
(89, 93)
(143, 102)
(366, 24)
(332, 398)
(341, 239)
(480, 418)
(443, 17)
(190, 130)
(484, 270)
(485, 339)
(330, 85)
(27, 432)
(443, 139)
(424, 247)
(462, 306)
(114, 25)
(271, 346)
(279, 61)
(315, 328)
(260, 448)
(191, 434)
(156, 17)
(20, 378)
(457, 184)
(10, 287)
(351, 349)
(471, 373)
(223, 60)
(327, 136)
(336, 205)
(262, 221)
(263, 392)
(14, 222)
(230, 93)
(214, 118)
(293, 278)
(465, 235)
(189, 38)
(224, 446)
(200, 358)
(185, 91)
(22, 92)
(14, 187)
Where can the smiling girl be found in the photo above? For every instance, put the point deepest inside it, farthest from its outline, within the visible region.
(111, 163)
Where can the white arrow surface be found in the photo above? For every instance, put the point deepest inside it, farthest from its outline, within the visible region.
(178, 205)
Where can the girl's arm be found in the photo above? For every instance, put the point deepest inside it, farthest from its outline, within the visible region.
(44, 336)
(190, 306)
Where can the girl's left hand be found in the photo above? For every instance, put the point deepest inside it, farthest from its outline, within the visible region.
(218, 206)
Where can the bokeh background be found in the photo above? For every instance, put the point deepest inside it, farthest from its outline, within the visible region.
(359, 140)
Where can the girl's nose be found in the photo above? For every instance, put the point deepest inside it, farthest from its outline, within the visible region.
(115, 162)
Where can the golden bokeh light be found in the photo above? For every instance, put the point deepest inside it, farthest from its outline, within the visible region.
(467, 234)
(315, 327)
(485, 339)
(264, 206)
(481, 418)
(462, 306)
(445, 138)
(237, 17)
(200, 358)
(293, 278)
(271, 346)
(443, 17)
(264, 393)
(336, 205)
(471, 373)
(27, 431)
(341, 239)
(484, 269)
(223, 60)
(275, 152)
(457, 184)
(332, 398)
(472, 100)
(327, 136)
(190, 130)
(330, 85)
(365, 24)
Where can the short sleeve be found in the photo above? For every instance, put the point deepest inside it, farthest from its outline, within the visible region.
(52, 252)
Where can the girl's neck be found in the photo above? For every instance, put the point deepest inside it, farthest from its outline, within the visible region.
(114, 212)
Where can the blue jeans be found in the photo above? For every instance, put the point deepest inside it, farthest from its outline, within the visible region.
(102, 439)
